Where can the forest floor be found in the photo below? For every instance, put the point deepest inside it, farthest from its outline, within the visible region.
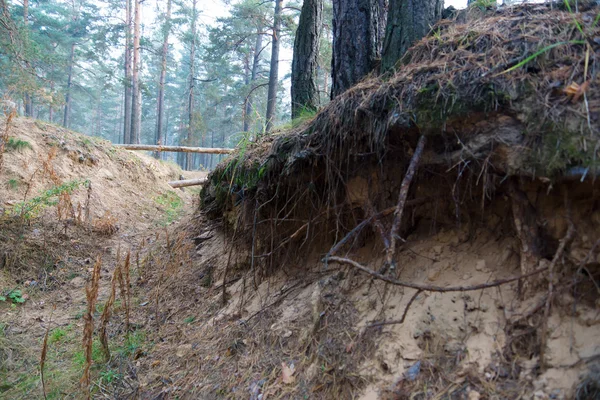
(113, 201)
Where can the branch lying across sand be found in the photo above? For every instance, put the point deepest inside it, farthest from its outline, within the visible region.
(179, 149)
(431, 288)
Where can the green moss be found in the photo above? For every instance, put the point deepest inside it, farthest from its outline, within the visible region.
(171, 204)
(561, 151)
(13, 183)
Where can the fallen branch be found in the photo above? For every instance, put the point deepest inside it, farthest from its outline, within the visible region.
(178, 149)
(188, 182)
(431, 288)
(410, 173)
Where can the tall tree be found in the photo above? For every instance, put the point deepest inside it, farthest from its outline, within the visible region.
(274, 71)
(248, 103)
(67, 111)
(190, 106)
(128, 73)
(136, 101)
(305, 94)
(71, 62)
(408, 21)
(27, 98)
(163, 73)
(357, 38)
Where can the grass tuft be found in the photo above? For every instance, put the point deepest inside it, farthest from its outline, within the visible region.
(17, 144)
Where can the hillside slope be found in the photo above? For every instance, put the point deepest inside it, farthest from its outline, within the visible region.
(67, 201)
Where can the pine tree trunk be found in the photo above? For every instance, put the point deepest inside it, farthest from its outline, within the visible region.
(245, 108)
(255, 64)
(305, 93)
(50, 108)
(128, 75)
(190, 126)
(67, 113)
(274, 71)
(136, 103)
(357, 39)
(161, 82)
(408, 21)
(166, 136)
(27, 98)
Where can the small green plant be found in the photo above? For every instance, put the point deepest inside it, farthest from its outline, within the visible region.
(12, 183)
(15, 296)
(57, 335)
(133, 342)
(97, 355)
(305, 115)
(483, 4)
(32, 208)
(17, 144)
(189, 320)
(109, 375)
(172, 204)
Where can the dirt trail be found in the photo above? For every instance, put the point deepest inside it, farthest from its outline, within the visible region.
(120, 200)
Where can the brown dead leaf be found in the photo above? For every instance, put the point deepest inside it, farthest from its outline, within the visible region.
(287, 373)
(576, 91)
(155, 363)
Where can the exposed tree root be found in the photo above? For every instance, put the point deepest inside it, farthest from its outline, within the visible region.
(527, 229)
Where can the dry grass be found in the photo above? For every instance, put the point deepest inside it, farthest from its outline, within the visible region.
(4, 135)
(45, 352)
(106, 225)
(124, 277)
(106, 312)
(91, 292)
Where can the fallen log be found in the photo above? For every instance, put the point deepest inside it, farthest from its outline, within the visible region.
(179, 149)
(188, 182)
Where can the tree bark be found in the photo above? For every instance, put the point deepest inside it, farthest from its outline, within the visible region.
(253, 76)
(274, 71)
(408, 21)
(27, 98)
(136, 103)
(128, 75)
(357, 39)
(50, 108)
(161, 82)
(67, 113)
(305, 93)
(190, 126)
(188, 182)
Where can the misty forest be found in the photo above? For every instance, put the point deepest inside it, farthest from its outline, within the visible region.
(300, 199)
